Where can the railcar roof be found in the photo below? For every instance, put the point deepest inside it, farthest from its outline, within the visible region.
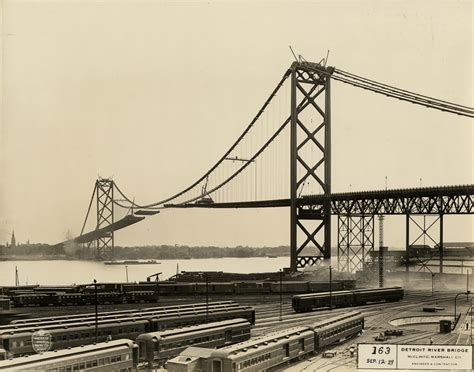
(261, 342)
(189, 329)
(322, 294)
(158, 308)
(141, 317)
(74, 351)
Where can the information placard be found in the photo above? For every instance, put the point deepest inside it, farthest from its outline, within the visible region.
(414, 357)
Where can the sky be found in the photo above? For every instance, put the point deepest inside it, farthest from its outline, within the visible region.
(152, 93)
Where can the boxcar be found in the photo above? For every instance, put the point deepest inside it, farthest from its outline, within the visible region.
(289, 287)
(156, 347)
(141, 296)
(118, 355)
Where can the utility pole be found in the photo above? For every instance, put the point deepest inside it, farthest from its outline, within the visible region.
(96, 313)
(281, 300)
(330, 287)
(207, 298)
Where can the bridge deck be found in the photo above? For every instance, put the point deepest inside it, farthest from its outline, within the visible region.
(423, 200)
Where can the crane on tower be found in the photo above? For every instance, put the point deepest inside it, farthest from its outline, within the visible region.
(205, 199)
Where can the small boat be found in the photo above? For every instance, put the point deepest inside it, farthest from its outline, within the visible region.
(132, 262)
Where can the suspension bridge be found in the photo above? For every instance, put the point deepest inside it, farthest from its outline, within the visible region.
(282, 159)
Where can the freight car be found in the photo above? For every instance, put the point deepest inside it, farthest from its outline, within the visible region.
(18, 341)
(308, 302)
(272, 350)
(117, 293)
(118, 355)
(157, 347)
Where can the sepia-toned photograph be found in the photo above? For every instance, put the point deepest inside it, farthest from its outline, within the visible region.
(234, 185)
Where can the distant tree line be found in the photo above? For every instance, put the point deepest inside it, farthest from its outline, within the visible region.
(144, 252)
(184, 252)
(32, 250)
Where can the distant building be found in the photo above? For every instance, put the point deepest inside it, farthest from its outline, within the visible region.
(13, 241)
(458, 249)
(419, 250)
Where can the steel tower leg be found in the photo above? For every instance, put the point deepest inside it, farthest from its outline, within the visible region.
(105, 217)
(355, 242)
(425, 247)
(310, 98)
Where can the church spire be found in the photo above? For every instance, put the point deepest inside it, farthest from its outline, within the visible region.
(13, 242)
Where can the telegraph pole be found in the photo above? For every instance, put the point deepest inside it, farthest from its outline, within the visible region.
(96, 313)
(281, 300)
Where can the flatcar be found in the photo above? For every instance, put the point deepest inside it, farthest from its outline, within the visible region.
(18, 341)
(308, 302)
(118, 355)
(272, 350)
(157, 347)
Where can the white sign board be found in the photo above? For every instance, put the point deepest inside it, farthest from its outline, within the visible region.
(418, 357)
(434, 357)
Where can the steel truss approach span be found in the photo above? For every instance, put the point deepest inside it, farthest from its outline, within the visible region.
(283, 159)
(426, 200)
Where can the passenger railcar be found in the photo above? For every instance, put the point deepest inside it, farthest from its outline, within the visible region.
(264, 353)
(157, 347)
(118, 355)
(308, 302)
(17, 341)
(273, 350)
(365, 296)
(328, 332)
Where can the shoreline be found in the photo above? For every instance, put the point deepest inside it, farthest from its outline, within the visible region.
(56, 258)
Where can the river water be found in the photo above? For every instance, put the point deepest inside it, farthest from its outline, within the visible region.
(62, 272)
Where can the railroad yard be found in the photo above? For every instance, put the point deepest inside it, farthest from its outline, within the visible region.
(414, 319)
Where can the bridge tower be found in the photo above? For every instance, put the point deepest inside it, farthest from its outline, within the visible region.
(310, 226)
(105, 216)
